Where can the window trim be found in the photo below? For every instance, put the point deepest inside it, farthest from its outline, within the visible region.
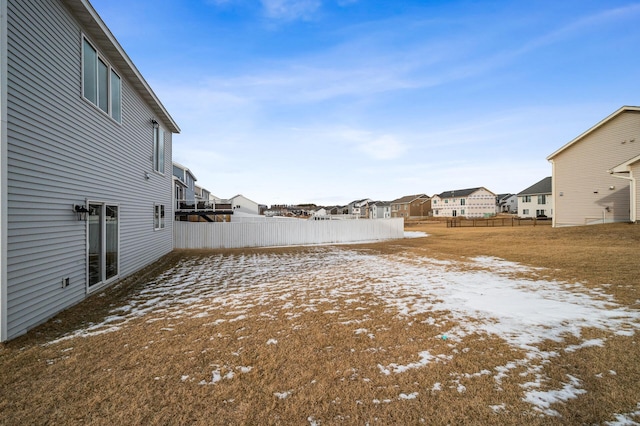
(159, 136)
(84, 40)
(103, 243)
(159, 217)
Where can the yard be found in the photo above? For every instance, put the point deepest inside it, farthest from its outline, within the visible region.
(465, 326)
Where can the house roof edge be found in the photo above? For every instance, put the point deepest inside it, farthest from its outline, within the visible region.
(89, 18)
(602, 122)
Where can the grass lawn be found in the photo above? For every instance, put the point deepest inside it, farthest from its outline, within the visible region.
(501, 325)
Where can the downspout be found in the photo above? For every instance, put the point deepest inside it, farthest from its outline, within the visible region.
(3, 172)
(554, 193)
(632, 196)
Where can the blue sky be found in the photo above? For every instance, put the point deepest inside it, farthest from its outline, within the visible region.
(328, 101)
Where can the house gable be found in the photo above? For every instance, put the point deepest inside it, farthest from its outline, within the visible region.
(586, 188)
(600, 124)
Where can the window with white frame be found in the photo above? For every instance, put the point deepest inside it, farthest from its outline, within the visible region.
(525, 211)
(158, 216)
(101, 85)
(526, 198)
(542, 199)
(158, 148)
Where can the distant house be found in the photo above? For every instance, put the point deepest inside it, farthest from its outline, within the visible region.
(470, 203)
(425, 207)
(536, 200)
(379, 210)
(409, 206)
(595, 175)
(240, 203)
(202, 194)
(184, 184)
(507, 203)
(320, 214)
(85, 170)
(359, 208)
(336, 210)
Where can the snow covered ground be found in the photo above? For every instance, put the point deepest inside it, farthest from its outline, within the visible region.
(481, 296)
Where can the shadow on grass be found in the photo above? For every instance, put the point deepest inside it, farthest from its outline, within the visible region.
(96, 307)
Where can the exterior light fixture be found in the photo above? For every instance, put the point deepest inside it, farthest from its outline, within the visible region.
(80, 211)
(146, 175)
(155, 123)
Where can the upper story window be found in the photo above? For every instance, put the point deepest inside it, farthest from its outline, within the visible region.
(158, 148)
(526, 198)
(542, 199)
(101, 85)
(463, 202)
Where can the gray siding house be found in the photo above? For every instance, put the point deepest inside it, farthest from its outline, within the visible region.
(187, 180)
(85, 170)
(380, 210)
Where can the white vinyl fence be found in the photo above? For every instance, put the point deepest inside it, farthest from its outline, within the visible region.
(204, 235)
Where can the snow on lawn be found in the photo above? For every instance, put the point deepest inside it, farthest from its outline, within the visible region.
(482, 295)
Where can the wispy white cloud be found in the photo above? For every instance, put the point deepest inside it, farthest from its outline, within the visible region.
(585, 24)
(375, 146)
(339, 107)
(290, 10)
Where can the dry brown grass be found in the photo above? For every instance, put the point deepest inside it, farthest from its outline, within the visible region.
(158, 368)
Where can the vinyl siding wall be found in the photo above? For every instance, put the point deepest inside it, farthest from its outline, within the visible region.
(532, 206)
(245, 205)
(581, 181)
(62, 150)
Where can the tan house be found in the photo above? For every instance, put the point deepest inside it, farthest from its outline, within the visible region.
(471, 203)
(410, 206)
(595, 175)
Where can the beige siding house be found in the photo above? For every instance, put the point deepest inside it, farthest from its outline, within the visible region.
(536, 200)
(595, 175)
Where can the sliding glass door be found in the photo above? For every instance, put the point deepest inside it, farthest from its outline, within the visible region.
(103, 241)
